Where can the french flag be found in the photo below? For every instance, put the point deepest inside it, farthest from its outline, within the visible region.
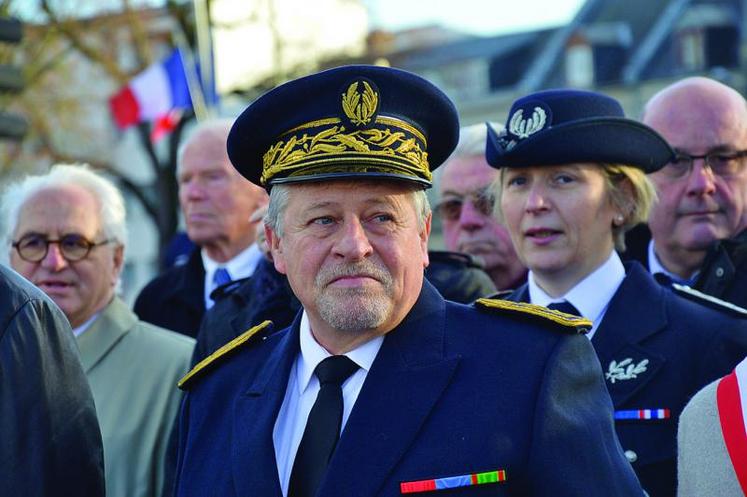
(157, 94)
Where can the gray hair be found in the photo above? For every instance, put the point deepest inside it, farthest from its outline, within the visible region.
(112, 212)
(212, 130)
(472, 142)
(279, 201)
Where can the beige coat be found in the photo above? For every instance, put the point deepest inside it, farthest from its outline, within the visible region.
(133, 368)
(703, 464)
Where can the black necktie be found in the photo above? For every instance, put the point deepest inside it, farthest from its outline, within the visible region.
(564, 306)
(322, 428)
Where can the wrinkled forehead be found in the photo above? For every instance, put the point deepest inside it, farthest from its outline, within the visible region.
(59, 210)
(465, 174)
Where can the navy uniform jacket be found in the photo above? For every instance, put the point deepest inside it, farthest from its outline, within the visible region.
(175, 299)
(267, 294)
(686, 346)
(453, 391)
(50, 443)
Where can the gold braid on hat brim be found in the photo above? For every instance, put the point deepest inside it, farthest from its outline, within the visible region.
(387, 145)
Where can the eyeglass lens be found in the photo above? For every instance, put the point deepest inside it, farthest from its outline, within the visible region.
(34, 248)
(451, 208)
(720, 163)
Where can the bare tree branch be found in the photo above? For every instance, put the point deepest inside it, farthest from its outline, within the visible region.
(72, 32)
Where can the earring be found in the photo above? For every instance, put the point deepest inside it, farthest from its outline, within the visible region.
(619, 219)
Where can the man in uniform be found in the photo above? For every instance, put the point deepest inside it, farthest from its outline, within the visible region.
(380, 386)
(698, 226)
(216, 203)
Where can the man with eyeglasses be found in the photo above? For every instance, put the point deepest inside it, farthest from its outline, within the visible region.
(65, 232)
(465, 208)
(698, 225)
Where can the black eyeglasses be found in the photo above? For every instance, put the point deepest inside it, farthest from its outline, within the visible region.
(720, 163)
(34, 248)
(450, 208)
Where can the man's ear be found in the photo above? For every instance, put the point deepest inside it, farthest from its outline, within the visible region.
(276, 249)
(118, 262)
(424, 235)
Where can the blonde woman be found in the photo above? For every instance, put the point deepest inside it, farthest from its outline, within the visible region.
(572, 181)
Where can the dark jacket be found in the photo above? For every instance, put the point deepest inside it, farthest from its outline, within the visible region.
(175, 299)
(724, 270)
(685, 346)
(723, 273)
(50, 443)
(240, 305)
(454, 390)
(458, 277)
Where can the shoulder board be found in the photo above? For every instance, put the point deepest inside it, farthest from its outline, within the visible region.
(567, 323)
(214, 359)
(708, 300)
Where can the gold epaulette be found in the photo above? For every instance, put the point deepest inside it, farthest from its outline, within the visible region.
(212, 360)
(567, 323)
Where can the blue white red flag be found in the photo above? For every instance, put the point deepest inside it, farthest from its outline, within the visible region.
(157, 94)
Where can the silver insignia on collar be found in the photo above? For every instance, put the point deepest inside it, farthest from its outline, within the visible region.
(625, 370)
(522, 128)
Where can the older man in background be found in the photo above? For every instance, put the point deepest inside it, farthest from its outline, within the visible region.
(698, 225)
(217, 203)
(66, 234)
(466, 211)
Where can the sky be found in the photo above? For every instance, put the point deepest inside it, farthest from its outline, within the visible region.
(480, 17)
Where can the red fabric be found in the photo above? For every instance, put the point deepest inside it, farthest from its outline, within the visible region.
(125, 108)
(415, 487)
(732, 426)
(164, 125)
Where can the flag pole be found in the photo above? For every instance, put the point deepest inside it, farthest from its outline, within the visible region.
(193, 81)
(204, 47)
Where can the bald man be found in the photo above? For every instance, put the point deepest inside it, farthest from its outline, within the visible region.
(698, 224)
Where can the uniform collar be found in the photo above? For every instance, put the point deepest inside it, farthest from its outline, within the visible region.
(591, 295)
(312, 354)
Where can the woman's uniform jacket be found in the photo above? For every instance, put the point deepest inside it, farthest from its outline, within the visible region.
(657, 349)
(455, 390)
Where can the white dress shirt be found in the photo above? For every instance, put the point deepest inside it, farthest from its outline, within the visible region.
(83, 327)
(655, 265)
(302, 390)
(591, 296)
(241, 266)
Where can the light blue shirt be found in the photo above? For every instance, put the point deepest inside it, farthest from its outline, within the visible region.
(241, 266)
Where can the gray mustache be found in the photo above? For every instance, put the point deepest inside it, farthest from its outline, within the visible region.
(369, 269)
